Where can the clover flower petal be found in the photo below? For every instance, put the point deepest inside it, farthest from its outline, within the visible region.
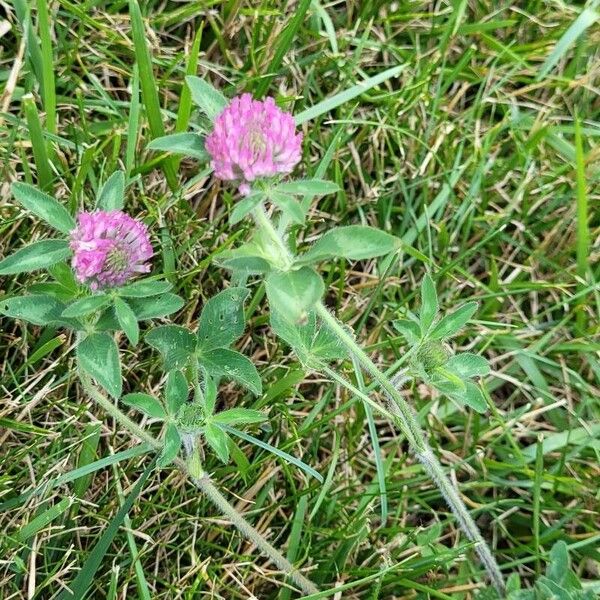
(253, 139)
(109, 248)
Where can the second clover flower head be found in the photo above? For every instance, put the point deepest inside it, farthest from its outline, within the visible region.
(253, 139)
(109, 248)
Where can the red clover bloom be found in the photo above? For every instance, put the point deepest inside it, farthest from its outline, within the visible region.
(109, 248)
(253, 139)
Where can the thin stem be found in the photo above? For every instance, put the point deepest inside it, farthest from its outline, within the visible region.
(205, 484)
(351, 388)
(263, 221)
(409, 425)
(115, 412)
(404, 417)
(198, 394)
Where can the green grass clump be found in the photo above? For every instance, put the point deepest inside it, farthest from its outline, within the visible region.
(479, 152)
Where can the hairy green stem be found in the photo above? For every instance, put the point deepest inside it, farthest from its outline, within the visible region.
(405, 418)
(402, 415)
(203, 483)
(263, 221)
(405, 414)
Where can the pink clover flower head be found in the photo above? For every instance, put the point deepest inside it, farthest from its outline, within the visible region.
(253, 139)
(109, 248)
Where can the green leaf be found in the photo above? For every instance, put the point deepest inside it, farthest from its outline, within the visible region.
(308, 342)
(546, 589)
(145, 403)
(176, 391)
(248, 258)
(559, 564)
(429, 303)
(455, 382)
(38, 255)
(468, 365)
(308, 187)
(206, 97)
(250, 265)
(245, 206)
(171, 448)
(327, 346)
(297, 336)
(43, 206)
(210, 394)
(64, 275)
(144, 288)
(294, 293)
(175, 344)
(127, 320)
(453, 322)
(107, 321)
(188, 144)
(222, 362)
(51, 288)
(222, 319)
(472, 397)
(156, 307)
(38, 309)
(218, 441)
(87, 305)
(409, 329)
(98, 356)
(289, 206)
(112, 194)
(239, 416)
(353, 242)
(513, 583)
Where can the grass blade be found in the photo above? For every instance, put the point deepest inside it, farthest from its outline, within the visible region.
(48, 88)
(583, 232)
(327, 24)
(185, 100)
(86, 457)
(284, 455)
(285, 42)
(149, 86)
(328, 479)
(133, 122)
(294, 540)
(537, 491)
(352, 92)
(360, 383)
(82, 471)
(38, 144)
(580, 437)
(85, 577)
(143, 591)
(34, 54)
(44, 519)
(587, 18)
